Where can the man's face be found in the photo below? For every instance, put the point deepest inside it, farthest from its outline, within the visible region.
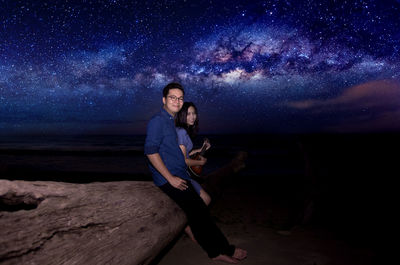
(174, 101)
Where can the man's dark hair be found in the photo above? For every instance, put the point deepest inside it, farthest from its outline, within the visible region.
(172, 86)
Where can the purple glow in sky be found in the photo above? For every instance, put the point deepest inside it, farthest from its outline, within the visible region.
(82, 67)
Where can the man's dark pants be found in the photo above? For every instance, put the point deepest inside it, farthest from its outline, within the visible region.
(204, 229)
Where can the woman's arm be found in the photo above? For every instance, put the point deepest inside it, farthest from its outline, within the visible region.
(205, 143)
(192, 162)
(194, 151)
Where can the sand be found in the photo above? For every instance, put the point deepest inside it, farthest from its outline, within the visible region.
(248, 218)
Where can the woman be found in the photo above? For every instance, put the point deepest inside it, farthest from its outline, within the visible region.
(186, 122)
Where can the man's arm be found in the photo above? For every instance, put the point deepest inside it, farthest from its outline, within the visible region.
(176, 182)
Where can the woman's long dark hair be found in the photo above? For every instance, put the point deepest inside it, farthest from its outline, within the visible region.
(181, 120)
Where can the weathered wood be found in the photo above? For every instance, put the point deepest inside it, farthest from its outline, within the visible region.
(127, 222)
(98, 223)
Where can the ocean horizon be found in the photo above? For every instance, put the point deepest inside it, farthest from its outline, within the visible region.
(122, 154)
(326, 155)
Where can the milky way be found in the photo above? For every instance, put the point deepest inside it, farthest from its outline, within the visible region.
(251, 66)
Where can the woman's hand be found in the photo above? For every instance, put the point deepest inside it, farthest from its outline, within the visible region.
(206, 144)
(178, 183)
(202, 161)
(194, 151)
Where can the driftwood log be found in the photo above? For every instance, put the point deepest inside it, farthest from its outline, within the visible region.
(126, 222)
(96, 223)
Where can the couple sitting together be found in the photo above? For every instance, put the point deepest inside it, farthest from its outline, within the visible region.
(168, 147)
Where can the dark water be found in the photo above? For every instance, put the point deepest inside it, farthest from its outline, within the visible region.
(81, 158)
(72, 158)
(345, 182)
(328, 162)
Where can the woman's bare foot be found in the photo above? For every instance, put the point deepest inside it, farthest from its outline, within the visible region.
(188, 231)
(240, 254)
(226, 259)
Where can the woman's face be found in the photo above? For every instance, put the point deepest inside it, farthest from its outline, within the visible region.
(191, 116)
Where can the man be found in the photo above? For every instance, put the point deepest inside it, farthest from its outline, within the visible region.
(168, 167)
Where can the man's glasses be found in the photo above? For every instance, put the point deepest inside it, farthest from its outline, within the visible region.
(174, 98)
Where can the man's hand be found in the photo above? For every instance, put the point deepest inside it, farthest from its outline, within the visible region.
(178, 183)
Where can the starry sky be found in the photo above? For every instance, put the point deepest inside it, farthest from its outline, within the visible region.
(98, 67)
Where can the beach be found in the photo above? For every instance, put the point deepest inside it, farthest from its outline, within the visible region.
(304, 244)
(299, 200)
(252, 221)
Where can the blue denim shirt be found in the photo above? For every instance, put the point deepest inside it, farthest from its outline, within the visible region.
(184, 139)
(162, 138)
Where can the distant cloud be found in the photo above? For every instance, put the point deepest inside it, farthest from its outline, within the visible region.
(367, 95)
(371, 106)
(388, 121)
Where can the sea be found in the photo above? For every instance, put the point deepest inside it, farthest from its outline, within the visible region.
(87, 158)
(355, 159)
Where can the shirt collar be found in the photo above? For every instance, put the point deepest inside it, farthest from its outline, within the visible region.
(166, 114)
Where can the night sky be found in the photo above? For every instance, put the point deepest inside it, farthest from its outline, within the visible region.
(98, 67)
